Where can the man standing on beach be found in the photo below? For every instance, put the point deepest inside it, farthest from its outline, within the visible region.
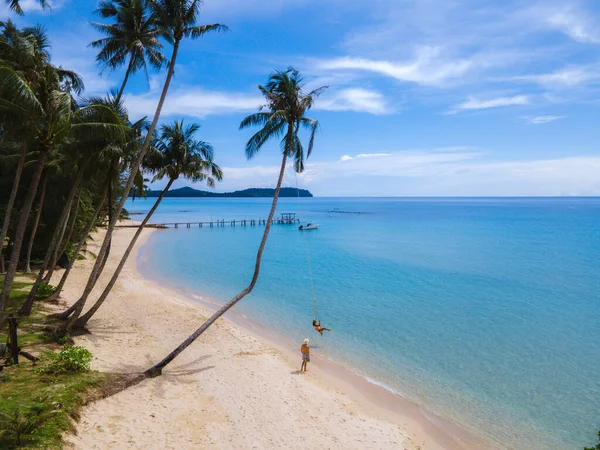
(305, 349)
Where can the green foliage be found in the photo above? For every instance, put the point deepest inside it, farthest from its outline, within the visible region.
(62, 340)
(71, 359)
(54, 399)
(45, 290)
(597, 446)
(19, 424)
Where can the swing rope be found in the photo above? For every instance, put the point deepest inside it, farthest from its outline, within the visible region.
(312, 284)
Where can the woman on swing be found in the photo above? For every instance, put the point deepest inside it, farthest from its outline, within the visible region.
(319, 328)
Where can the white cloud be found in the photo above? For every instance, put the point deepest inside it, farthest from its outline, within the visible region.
(364, 155)
(576, 24)
(432, 173)
(568, 77)
(428, 67)
(542, 119)
(473, 103)
(194, 102)
(201, 103)
(354, 99)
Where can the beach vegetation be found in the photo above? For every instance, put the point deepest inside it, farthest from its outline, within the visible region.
(45, 290)
(70, 359)
(39, 401)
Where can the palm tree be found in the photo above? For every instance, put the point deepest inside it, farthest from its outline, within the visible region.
(287, 106)
(177, 19)
(11, 201)
(48, 113)
(95, 115)
(178, 154)
(36, 222)
(82, 239)
(15, 5)
(134, 37)
(24, 51)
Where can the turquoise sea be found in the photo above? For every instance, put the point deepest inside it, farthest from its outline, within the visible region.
(484, 311)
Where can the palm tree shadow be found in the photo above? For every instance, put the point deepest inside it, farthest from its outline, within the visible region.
(181, 373)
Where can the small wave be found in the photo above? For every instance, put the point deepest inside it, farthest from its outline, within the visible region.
(382, 385)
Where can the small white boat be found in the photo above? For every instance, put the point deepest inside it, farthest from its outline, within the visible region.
(309, 226)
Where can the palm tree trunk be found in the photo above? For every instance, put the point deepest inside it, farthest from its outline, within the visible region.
(54, 243)
(83, 320)
(38, 214)
(11, 202)
(129, 67)
(110, 212)
(65, 245)
(20, 232)
(111, 226)
(156, 370)
(80, 245)
(62, 243)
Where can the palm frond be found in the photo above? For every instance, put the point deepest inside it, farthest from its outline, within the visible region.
(200, 30)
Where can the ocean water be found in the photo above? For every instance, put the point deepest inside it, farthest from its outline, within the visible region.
(484, 311)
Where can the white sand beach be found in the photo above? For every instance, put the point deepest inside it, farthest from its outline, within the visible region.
(231, 389)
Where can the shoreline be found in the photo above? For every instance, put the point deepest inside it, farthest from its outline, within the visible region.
(370, 393)
(251, 382)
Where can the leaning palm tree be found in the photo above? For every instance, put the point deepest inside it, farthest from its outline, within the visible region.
(133, 39)
(287, 106)
(15, 5)
(178, 154)
(177, 19)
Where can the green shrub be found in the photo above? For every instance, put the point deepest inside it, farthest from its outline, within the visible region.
(68, 360)
(63, 339)
(18, 424)
(45, 290)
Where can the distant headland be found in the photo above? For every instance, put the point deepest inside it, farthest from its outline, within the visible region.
(252, 192)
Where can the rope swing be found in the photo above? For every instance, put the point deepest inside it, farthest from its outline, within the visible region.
(316, 321)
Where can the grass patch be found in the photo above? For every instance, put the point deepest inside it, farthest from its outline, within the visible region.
(58, 397)
(38, 406)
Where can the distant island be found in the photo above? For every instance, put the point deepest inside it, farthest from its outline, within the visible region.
(252, 192)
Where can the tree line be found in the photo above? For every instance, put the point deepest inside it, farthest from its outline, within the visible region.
(68, 162)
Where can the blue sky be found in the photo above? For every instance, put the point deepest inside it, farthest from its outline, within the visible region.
(426, 97)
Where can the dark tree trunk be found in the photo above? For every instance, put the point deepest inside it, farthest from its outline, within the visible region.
(80, 245)
(156, 370)
(111, 226)
(129, 67)
(20, 232)
(65, 245)
(60, 247)
(11, 202)
(36, 222)
(83, 320)
(54, 243)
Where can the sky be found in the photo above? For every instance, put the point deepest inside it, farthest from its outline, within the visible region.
(424, 98)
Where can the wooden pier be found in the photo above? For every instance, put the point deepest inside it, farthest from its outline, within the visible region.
(284, 219)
